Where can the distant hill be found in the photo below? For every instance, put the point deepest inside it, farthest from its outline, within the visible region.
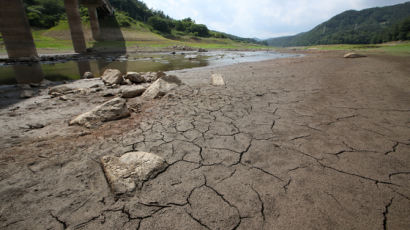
(374, 25)
(131, 14)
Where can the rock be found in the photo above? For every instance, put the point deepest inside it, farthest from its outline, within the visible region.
(87, 75)
(202, 50)
(138, 78)
(353, 55)
(60, 90)
(111, 110)
(127, 82)
(172, 79)
(151, 77)
(112, 77)
(126, 173)
(135, 77)
(135, 104)
(27, 93)
(161, 86)
(134, 91)
(217, 80)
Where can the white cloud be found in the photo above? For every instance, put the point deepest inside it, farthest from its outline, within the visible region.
(261, 18)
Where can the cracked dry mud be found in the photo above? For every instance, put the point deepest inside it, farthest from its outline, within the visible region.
(318, 142)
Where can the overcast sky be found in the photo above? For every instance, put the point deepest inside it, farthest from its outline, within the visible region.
(261, 18)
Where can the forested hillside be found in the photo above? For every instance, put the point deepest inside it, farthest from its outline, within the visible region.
(374, 25)
(44, 14)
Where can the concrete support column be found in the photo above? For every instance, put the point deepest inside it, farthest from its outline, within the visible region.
(95, 25)
(74, 21)
(15, 30)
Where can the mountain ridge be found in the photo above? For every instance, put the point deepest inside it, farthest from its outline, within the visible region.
(372, 25)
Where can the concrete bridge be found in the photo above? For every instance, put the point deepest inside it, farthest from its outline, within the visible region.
(16, 30)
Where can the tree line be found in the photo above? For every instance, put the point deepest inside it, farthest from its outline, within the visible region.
(44, 14)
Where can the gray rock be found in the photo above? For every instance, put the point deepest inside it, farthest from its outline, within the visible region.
(135, 77)
(60, 90)
(112, 77)
(127, 82)
(202, 50)
(87, 75)
(217, 80)
(172, 79)
(111, 110)
(353, 55)
(138, 78)
(161, 87)
(134, 91)
(153, 76)
(126, 173)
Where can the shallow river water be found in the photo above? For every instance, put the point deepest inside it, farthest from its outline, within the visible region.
(136, 62)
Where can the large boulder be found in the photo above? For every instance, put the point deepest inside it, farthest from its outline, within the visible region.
(217, 80)
(128, 172)
(353, 55)
(134, 90)
(161, 87)
(112, 77)
(111, 110)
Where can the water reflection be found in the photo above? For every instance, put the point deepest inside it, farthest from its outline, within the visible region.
(83, 66)
(110, 32)
(136, 62)
(31, 73)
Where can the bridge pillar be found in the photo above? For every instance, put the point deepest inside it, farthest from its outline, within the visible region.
(76, 29)
(95, 25)
(15, 30)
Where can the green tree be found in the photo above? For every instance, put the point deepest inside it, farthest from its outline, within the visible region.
(199, 30)
(404, 31)
(159, 24)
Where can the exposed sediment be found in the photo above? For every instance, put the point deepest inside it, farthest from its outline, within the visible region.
(319, 142)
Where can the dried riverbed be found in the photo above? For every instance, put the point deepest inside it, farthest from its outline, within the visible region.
(317, 142)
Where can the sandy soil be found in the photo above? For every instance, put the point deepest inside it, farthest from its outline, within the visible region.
(317, 142)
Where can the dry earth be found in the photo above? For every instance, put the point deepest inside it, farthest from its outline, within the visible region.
(318, 142)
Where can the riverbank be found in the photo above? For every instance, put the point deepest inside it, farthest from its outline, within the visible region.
(72, 67)
(298, 143)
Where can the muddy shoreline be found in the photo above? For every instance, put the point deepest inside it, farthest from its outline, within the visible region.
(298, 143)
